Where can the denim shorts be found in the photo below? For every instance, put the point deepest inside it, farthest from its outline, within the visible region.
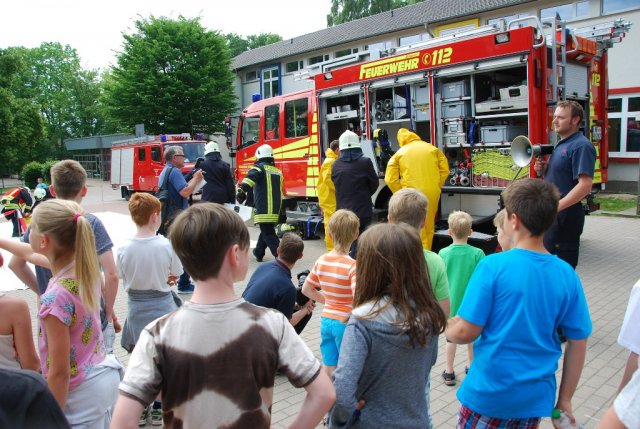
(331, 332)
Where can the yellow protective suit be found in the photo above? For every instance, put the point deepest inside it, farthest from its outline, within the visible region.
(327, 192)
(419, 165)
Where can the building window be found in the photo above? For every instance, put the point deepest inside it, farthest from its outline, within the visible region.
(142, 154)
(293, 66)
(345, 52)
(567, 11)
(250, 75)
(271, 122)
(506, 19)
(380, 46)
(297, 118)
(610, 6)
(624, 125)
(318, 59)
(270, 82)
(416, 38)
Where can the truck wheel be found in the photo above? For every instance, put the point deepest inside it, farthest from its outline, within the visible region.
(125, 194)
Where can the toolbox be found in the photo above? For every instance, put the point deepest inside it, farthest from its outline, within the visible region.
(456, 109)
(501, 133)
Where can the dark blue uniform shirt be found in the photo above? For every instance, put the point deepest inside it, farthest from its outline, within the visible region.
(571, 158)
(270, 286)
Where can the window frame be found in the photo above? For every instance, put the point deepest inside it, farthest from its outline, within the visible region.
(295, 119)
(422, 37)
(574, 11)
(345, 52)
(255, 76)
(268, 115)
(255, 119)
(624, 115)
(325, 57)
(299, 63)
(271, 80)
(625, 9)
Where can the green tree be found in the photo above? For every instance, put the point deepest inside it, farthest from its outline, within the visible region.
(262, 39)
(348, 10)
(173, 76)
(68, 96)
(238, 45)
(21, 124)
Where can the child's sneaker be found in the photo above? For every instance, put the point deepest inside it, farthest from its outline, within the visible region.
(156, 417)
(449, 378)
(144, 416)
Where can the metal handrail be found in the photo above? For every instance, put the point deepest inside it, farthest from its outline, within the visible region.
(538, 26)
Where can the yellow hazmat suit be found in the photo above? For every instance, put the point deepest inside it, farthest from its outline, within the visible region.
(419, 165)
(327, 192)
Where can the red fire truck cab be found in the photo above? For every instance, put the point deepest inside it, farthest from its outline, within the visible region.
(137, 163)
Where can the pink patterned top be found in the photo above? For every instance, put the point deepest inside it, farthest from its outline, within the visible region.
(61, 300)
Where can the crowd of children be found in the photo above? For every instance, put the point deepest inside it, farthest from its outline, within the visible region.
(212, 361)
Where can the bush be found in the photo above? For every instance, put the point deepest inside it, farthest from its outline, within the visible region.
(30, 172)
(46, 170)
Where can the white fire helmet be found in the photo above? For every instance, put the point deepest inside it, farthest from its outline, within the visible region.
(264, 151)
(39, 194)
(349, 140)
(211, 147)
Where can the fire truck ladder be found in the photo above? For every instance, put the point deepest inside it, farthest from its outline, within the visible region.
(605, 34)
(559, 56)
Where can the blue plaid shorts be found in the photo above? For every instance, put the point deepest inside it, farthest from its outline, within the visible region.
(469, 419)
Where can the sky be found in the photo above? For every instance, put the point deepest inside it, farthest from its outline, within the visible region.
(94, 28)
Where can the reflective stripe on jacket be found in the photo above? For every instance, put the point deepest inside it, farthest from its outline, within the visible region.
(266, 181)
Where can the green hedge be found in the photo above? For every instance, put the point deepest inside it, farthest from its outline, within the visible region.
(35, 169)
(46, 170)
(30, 172)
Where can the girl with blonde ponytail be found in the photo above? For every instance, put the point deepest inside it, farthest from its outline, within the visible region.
(71, 345)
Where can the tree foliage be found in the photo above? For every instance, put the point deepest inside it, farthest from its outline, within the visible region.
(21, 124)
(172, 76)
(348, 10)
(67, 95)
(237, 44)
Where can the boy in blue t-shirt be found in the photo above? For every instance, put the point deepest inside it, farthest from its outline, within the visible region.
(514, 303)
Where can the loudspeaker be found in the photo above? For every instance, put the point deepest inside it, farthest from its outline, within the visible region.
(523, 151)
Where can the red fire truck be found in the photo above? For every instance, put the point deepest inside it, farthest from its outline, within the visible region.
(470, 94)
(137, 163)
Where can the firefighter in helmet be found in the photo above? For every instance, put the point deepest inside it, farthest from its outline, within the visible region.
(219, 187)
(420, 165)
(266, 180)
(16, 202)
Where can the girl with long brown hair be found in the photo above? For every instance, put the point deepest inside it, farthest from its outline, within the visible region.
(394, 328)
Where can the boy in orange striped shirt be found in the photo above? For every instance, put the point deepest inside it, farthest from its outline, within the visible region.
(335, 274)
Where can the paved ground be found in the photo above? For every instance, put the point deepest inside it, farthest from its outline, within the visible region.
(608, 268)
